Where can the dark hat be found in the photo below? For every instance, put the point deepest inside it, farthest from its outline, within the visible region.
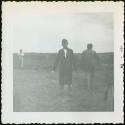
(64, 41)
(90, 46)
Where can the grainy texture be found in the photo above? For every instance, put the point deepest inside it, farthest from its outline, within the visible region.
(36, 88)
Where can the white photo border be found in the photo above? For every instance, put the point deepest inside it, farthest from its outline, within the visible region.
(8, 116)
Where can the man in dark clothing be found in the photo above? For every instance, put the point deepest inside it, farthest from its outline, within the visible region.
(88, 62)
(65, 60)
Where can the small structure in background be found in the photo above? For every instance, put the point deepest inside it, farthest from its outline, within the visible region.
(21, 58)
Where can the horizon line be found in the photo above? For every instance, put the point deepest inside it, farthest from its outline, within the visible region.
(57, 52)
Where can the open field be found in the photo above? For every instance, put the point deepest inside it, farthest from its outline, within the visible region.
(35, 87)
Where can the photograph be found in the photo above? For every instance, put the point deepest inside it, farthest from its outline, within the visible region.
(63, 67)
(63, 57)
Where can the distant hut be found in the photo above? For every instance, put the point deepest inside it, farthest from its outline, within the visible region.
(21, 58)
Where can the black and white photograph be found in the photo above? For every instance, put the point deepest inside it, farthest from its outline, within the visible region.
(62, 57)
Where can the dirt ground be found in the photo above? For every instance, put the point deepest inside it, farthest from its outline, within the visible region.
(37, 90)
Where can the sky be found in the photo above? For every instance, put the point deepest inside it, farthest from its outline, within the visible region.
(34, 31)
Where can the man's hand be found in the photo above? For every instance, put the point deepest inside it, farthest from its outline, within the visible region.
(53, 71)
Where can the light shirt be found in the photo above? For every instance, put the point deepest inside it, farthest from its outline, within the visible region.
(65, 52)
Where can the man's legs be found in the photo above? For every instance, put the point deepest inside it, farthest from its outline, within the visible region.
(85, 76)
(70, 89)
(87, 79)
(92, 75)
(91, 81)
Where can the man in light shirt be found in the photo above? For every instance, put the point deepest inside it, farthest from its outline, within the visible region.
(21, 58)
(65, 61)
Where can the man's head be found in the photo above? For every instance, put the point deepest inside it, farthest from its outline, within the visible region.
(64, 43)
(89, 46)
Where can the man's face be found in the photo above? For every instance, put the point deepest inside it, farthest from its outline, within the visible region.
(65, 44)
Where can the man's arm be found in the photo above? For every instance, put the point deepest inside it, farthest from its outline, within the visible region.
(82, 60)
(97, 58)
(56, 61)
